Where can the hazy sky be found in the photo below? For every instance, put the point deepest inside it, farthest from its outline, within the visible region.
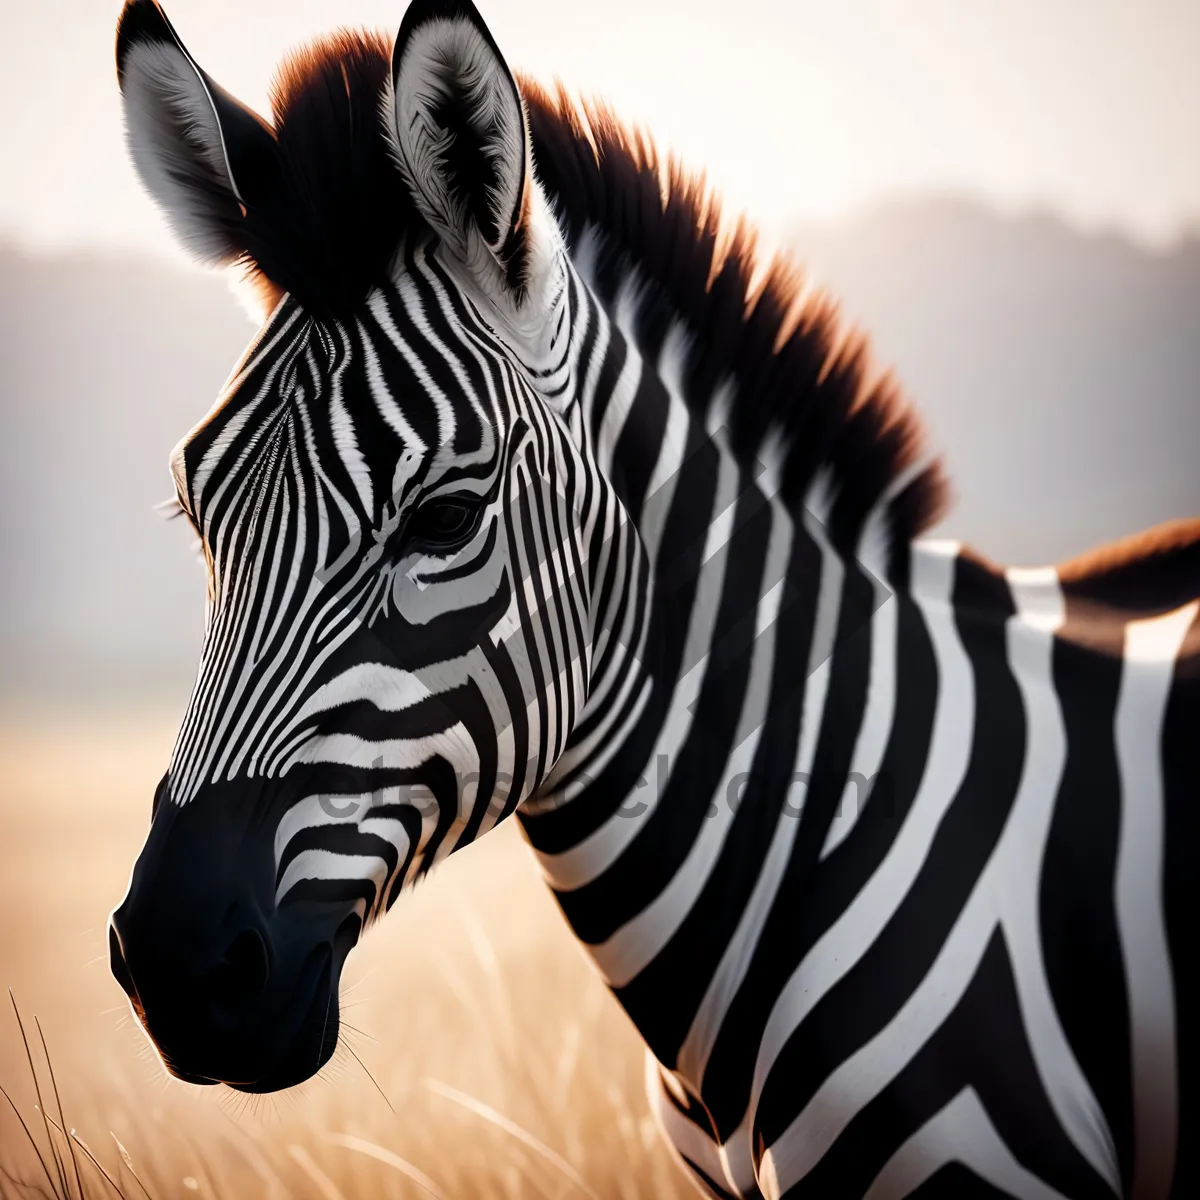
(798, 108)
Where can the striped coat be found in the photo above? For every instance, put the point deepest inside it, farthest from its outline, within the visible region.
(542, 492)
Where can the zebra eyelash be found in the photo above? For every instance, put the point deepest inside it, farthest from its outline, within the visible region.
(171, 510)
(401, 543)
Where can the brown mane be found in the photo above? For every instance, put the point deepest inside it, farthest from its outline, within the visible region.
(1152, 572)
(799, 373)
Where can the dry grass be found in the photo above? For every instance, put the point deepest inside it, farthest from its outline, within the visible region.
(499, 1066)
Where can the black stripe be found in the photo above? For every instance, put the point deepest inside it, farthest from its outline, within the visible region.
(640, 440)
(329, 892)
(439, 776)
(808, 902)
(689, 961)
(845, 705)
(981, 1044)
(881, 981)
(344, 838)
(367, 721)
(1077, 902)
(538, 666)
(442, 637)
(681, 553)
(956, 1182)
(1181, 893)
(475, 715)
(602, 906)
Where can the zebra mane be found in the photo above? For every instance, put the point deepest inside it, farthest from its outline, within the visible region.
(801, 377)
(804, 392)
(332, 212)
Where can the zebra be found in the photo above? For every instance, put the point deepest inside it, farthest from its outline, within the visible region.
(544, 490)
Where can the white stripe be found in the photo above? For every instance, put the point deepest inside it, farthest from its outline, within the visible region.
(671, 361)
(845, 942)
(1151, 647)
(314, 811)
(266, 395)
(1017, 864)
(660, 491)
(682, 1135)
(389, 689)
(346, 441)
(347, 749)
(1038, 597)
(325, 864)
(631, 948)
(960, 1132)
(1006, 893)
(599, 747)
(587, 859)
(377, 305)
(876, 726)
(862, 1076)
(711, 1013)
(388, 409)
(620, 402)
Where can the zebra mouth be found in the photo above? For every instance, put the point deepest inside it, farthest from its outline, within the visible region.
(316, 1032)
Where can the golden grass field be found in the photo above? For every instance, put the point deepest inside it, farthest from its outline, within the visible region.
(508, 1069)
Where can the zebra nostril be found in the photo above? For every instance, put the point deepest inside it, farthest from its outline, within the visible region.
(238, 980)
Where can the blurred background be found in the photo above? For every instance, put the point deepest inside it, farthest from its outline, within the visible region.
(1006, 196)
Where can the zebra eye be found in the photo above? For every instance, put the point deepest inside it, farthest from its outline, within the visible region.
(445, 523)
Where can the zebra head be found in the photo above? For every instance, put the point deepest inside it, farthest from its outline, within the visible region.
(394, 510)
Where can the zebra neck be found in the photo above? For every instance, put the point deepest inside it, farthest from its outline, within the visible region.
(677, 498)
(708, 698)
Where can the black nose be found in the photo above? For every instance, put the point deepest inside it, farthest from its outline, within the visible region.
(238, 980)
(230, 985)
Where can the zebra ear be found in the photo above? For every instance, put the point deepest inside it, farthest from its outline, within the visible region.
(199, 151)
(463, 142)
